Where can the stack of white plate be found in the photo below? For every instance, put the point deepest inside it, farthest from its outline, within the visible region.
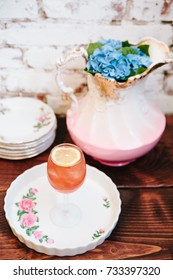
(27, 127)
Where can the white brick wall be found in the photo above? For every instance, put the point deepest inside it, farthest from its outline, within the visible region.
(143, 10)
(10, 57)
(42, 57)
(97, 11)
(16, 9)
(33, 33)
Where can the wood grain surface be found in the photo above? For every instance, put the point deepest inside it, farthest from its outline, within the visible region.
(145, 226)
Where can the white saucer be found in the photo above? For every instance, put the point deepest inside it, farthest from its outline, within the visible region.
(98, 200)
(24, 119)
(28, 127)
(27, 152)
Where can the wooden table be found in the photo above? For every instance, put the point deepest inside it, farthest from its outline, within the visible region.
(145, 227)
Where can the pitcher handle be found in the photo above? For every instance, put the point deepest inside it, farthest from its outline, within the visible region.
(61, 63)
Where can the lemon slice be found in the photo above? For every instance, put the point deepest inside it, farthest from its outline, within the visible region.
(65, 156)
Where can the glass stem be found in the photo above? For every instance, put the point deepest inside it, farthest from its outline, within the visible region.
(65, 203)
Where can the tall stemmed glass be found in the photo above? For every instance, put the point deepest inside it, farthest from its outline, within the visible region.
(66, 171)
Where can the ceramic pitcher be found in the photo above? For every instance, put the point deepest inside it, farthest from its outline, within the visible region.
(115, 122)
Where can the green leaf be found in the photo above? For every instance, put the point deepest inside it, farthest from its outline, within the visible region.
(140, 70)
(144, 49)
(89, 71)
(45, 237)
(122, 80)
(117, 49)
(20, 213)
(92, 47)
(30, 231)
(29, 196)
(34, 228)
(106, 204)
(126, 44)
(128, 50)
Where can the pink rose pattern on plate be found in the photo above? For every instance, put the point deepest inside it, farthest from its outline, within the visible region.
(27, 216)
(98, 233)
(42, 120)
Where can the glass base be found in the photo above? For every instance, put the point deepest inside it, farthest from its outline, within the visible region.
(65, 218)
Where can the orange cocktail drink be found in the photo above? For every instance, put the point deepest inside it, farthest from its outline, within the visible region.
(66, 168)
(66, 171)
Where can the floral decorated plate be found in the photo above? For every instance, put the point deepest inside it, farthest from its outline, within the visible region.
(29, 200)
(17, 154)
(24, 119)
(31, 144)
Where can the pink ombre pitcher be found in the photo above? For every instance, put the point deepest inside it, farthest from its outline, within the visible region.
(115, 122)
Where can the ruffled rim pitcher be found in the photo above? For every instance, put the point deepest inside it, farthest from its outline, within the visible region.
(115, 123)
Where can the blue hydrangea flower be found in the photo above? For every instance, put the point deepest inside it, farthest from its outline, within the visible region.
(117, 69)
(137, 61)
(113, 43)
(109, 61)
(145, 61)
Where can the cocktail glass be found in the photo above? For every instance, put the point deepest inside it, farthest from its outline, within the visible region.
(66, 171)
